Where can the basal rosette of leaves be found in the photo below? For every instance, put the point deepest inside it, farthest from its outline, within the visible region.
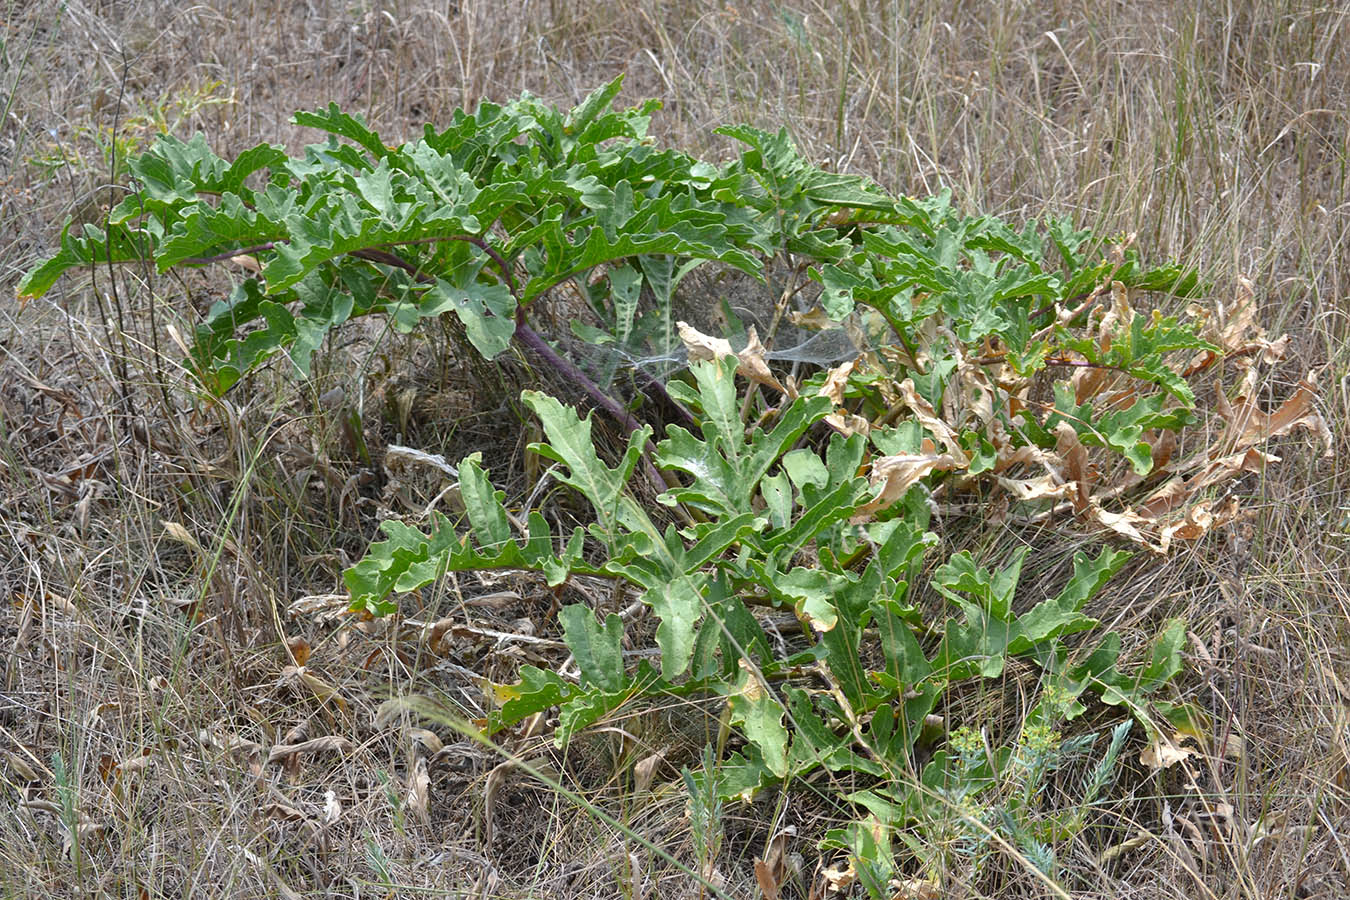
(774, 529)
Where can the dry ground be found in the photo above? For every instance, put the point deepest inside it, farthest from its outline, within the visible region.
(150, 550)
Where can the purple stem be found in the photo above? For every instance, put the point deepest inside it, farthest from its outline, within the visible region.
(532, 339)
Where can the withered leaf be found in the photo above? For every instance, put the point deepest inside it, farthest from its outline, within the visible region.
(898, 473)
(331, 743)
(419, 791)
(752, 362)
(1165, 752)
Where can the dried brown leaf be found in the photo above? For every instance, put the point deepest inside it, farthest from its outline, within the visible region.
(419, 791)
(1026, 455)
(177, 532)
(332, 807)
(331, 743)
(764, 877)
(1076, 468)
(136, 763)
(1221, 470)
(299, 650)
(915, 889)
(326, 606)
(929, 419)
(20, 767)
(426, 739)
(496, 778)
(301, 679)
(1042, 488)
(1248, 425)
(836, 380)
(772, 868)
(1234, 330)
(898, 473)
(752, 362)
(848, 424)
(1164, 754)
(283, 812)
(645, 770)
(839, 876)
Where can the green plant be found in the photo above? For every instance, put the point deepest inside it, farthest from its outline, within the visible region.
(486, 217)
(965, 325)
(775, 529)
(480, 219)
(984, 795)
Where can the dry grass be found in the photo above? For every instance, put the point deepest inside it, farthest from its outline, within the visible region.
(136, 653)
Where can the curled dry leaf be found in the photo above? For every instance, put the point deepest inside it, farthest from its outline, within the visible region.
(419, 791)
(19, 766)
(38, 805)
(177, 532)
(897, 473)
(768, 883)
(836, 380)
(325, 607)
(426, 739)
(496, 778)
(645, 770)
(1248, 425)
(299, 650)
(283, 812)
(929, 419)
(752, 362)
(1234, 330)
(302, 680)
(839, 876)
(1164, 752)
(772, 868)
(84, 832)
(915, 889)
(235, 746)
(331, 743)
(1046, 487)
(332, 807)
(136, 763)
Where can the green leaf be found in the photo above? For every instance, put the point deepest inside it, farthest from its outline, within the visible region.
(484, 505)
(1060, 616)
(334, 121)
(569, 442)
(679, 603)
(755, 708)
(726, 466)
(1164, 659)
(93, 246)
(598, 650)
(536, 691)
